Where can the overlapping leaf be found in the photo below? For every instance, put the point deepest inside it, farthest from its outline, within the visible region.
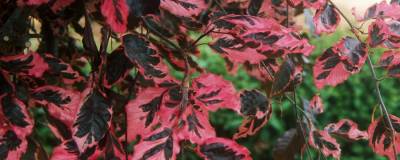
(384, 32)
(243, 38)
(221, 148)
(31, 64)
(142, 112)
(347, 129)
(380, 137)
(213, 92)
(116, 14)
(381, 10)
(61, 103)
(31, 2)
(322, 141)
(337, 63)
(118, 66)
(62, 69)
(257, 110)
(196, 126)
(143, 54)
(160, 144)
(92, 120)
(184, 8)
(17, 125)
(316, 104)
(326, 19)
(288, 74)
(390, 60)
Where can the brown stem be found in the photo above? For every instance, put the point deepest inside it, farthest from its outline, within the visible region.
(185, 86)
(202, 36)
(382, 105)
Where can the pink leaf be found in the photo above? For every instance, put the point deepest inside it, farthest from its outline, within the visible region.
(380, 137)
(347, 129)
(61, 103)
(384, 32)
(65, 70)
(256, 109)
(213, 92)
(326, 19)
(184, 8)
(31, 64)
(159, 144)
(31, 2)
(142, 112)
(321, 140)
(196, 126)
(221, 148)
(381, 10)
(58, 5)
(315, 3)
(316, 104)
(337, 63)
(116, 13)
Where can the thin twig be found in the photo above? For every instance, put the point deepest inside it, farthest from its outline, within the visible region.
(202, 36)
(158, 34)
(376, 81)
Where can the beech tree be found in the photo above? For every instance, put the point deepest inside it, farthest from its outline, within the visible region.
(129, 106)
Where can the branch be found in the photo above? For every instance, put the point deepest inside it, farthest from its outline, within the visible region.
(375, 78)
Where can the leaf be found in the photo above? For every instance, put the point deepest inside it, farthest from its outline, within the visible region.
(109, 148)
(380, 139)
(93, 119)
(12, 146)
(386, 33)
(315, 3)
(142, 112)
(236, 50)
(257, 110)
(213, 92)
(118, 67)
(288, 145)
(252, 39)
(66, 150)
(337, 63)
(265, 70)
(287, 74)
(184, 8)
(31, 64)
(316, 105)
(390, 60)
(116, 14)
(160, 144)
(31, 2)
(58, 5)
(196, 126)
(61, 103)
(140, 52)
(255, 6)
(15, 111)
(253, 103)
(326, 19)
(221, 148)
(322, 141)
(381, 10)
(6, 87)
(348, 129)
(65, 70)
(16, 127)
(140, 8)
